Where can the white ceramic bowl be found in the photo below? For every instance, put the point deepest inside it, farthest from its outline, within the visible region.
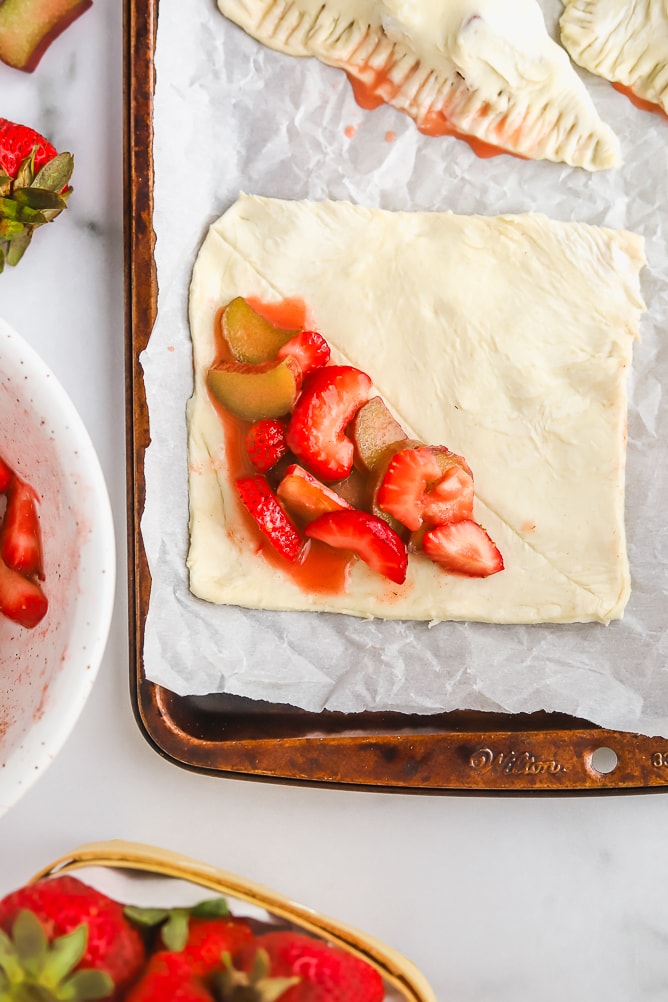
(46, 673)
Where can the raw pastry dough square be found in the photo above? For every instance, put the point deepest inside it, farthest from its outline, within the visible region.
(506, 338)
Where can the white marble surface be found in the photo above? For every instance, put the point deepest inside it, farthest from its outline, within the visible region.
(496, 899)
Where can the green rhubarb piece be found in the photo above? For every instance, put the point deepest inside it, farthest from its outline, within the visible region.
(374, 430)
(27, 28)
(249, 336)
(253, 392)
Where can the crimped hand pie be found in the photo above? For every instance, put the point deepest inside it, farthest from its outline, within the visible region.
(475, 68)
(625, 41)
(507, 339)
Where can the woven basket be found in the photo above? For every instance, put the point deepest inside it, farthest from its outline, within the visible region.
(397, 971)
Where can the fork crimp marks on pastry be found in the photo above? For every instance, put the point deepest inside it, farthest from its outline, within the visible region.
(462, 68)
(624, 42)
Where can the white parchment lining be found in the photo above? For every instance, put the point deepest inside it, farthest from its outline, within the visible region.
(231, 116)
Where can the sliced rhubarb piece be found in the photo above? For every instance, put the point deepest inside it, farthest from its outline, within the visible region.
(20, 536)
(309, 348)
(327, 404)
(463, 548)
(256, 391)
(354, 489)
(265, 443)
(373, 431)
(21, 599)
(249, 336)
(372, 539)
(27, 28)
(270, 516)
(306, 497)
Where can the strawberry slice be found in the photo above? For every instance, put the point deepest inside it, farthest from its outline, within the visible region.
(265, 508)
(309, 348)
(372, 539)
(463, 548)
(6, 475)
(450, 499)
(316, 434)
(420, 486)
(21, 599)
(265, 443)
(305, 496)
(404, 485)
(20, 536)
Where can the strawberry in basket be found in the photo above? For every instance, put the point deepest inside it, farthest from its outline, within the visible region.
(61, 939)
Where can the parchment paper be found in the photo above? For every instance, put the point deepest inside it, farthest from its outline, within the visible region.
(232, 116)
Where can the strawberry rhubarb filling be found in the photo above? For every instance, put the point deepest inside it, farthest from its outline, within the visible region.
(320, 457)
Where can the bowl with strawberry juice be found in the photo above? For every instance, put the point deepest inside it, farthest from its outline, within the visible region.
(57, 566)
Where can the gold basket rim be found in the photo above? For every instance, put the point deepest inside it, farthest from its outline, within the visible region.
(397, 969)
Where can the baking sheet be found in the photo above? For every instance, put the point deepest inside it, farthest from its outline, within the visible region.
(310, 140)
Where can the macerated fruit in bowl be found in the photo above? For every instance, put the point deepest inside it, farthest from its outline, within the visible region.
(62, 939)
(28, 27)
(21, 599)
(21, 562)
(34, 186)
(20, 534)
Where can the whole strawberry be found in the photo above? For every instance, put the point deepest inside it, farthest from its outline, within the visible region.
(195, 941)
(61, 939)
(34, 187)
(294, 967)
(169, 976)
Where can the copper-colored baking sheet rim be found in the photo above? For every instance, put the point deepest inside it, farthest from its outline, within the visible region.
(460, 751)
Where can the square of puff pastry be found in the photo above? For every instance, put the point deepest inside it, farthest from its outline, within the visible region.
(478, 69)
(624, 41)
(507, 339)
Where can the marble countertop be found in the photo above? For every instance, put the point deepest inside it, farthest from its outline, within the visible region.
(496, 899)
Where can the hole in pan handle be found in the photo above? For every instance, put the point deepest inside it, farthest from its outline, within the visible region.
(603, 760)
